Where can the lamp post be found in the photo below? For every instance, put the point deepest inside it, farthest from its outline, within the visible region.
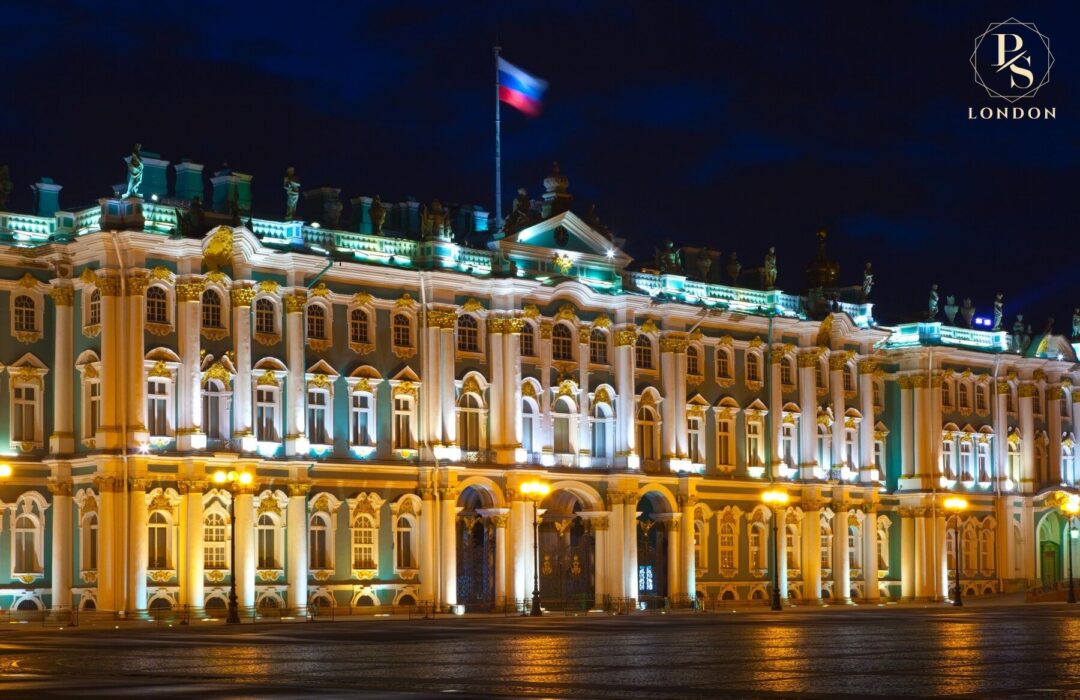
(5, 471)
(1070, 509)
(775, 499)
(230, 480)
(957, 505)
(536, 491)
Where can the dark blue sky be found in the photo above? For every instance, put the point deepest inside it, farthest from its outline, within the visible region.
(735, 125)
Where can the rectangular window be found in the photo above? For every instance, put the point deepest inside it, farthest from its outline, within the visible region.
(403, 438)
(214, 542)
(361, 420)
(753, 443)
(95, 409)
(528, 342)
(316, 416)
(317, 548)
(265, 414)
(693, 440)
(404, 548)
(157, 405)
(725, 452)
(25, 419)
(267, 555)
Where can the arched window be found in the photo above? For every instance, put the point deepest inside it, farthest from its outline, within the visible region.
(700, 550)
(214, 548)
(791, 545)
(1013, 462)
(562, 345)
(25, 314)
(950, 549)
(93, 315)
(849, 379)
(358, 326)
(528, 341)
(318, 541)
(853, 551)
(468, 334)
(89, 542)
(724, 363)
(26, 558)
(157, 556)
(363, 542)
(757, 546)
(215, 410)
(265, 317)
(947, 395)
(528, 425)
(603, 424)
(753, 367)
(727, 546)
(970, 549)
(693, 361)
(821, 375)
(1040, 460)
(211, 310)
(266, 536)
(563, 415)
(403, 543)
(826, 546)
(598, 347)
(648, 433)
(402, 331)
(470, 413)
(157, 304)
(316, 322)
(986, 550)
(981, 398)
(643, 352)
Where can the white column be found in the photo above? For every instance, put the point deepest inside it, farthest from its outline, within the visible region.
(776, 409)
(138, 547)
(1071, 478)
(781, 549)
(512, 384)
(941, 590)
(137, 433)
(60, 571)
(837, 362)
(429, 387)
(188, 387)
(112, 366)
(192, 579)
(668, 425)
(841, 561)
(295, 398)
(811, 554)
(1054, 396)
(674, 555)
(1000, 441)
(867, 470)
(244, 566)
(907, 554)
(427, 544)
(687, 563)
(924, 430)
(448, 550)
(624, 401)
(630, 532)
(448, 390)
(496, 395)
(498, 520)
(584, 405)
(243, 420)
(520, 524)
(907, 428)
(682, 439)
(110, 552)
(547, 434)
(870, 555)
(616, 551)
(808, 417)
(599, 522)
(297, 541)
(62, 441)
(924, 568)
(1026, 394)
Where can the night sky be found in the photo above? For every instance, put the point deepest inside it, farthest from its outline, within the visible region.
(735, 125)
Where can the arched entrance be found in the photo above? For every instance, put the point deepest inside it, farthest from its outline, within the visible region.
(656, 530)
(475, 552)
(1049, 551)
(567, 553)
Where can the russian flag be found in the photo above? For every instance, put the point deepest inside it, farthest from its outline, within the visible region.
(519, 89)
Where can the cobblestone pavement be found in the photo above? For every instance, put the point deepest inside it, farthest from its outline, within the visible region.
(1025, 651)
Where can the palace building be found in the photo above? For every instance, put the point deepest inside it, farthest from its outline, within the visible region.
(379, 393)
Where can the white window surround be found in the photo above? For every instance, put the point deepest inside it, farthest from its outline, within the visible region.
(30, 507)
(364, 382)
(155, 323)
(162, 372)
(164, 502)
(728, 540)
(27, 376)
(326, 506)
(266, 321)
(406, 513)
(404, 420)
(272, 504)
(365, 513)
(33, 318)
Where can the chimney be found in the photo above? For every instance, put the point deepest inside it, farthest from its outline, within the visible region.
(189, 182)
(230, 185)
(324, 205)
(46, 197)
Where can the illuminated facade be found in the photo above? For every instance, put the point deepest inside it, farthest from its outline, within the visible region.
(391, 390)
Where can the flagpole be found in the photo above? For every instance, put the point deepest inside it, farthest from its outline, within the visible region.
(498, 148)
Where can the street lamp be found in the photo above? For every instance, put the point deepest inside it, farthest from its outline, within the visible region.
(1070, 509)
(536, 491)
(5, 471)
(775, 498)
(957, 505)
(230, 480)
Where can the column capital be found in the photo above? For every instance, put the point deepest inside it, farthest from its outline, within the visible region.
(242, 296)
(867, 366)
(298, 488)
(448, 492)
(190, 290)
(136, 483)
(808, 357)
(426, 493)
(62, 296)
(186, 486)
(296, 301)
(108, 484)
(59, 488)
(137, 282)
(1027, 390)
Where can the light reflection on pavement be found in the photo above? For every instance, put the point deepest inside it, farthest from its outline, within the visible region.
(872, 651)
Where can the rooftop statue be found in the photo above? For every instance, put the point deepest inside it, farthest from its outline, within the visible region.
(999, 310)
(932, 305)
(435, 222)
(521, 215)
(5, 185)
(951, 308)
(967, 311)
(704, 263)
(822, 273)
(378, 216)
(135, 173)
(867, 282)
(734, 267)
(292, 193)
(669, 259)
(768, 272)
(1076, 323)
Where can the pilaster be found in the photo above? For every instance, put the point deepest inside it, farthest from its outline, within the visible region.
(62, 441)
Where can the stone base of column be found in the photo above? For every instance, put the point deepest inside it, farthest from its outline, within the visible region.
(506, 455)
(62, 443)
(869, 475)
(915, 483)
(296, 445)
(806, 472)
(137, 437)
(109, 439)
(194, 440)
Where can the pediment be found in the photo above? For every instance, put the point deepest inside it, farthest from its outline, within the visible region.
(567, 233)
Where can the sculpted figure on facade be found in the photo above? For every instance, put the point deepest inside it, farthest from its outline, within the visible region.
(734, 267)
(867, 282)
(967, 311)
(378, 216)
(135, 173)
(932, 305)
(999, 310)
(669, 259)
(703, 263)
(768, 272)
(1076, 323)
(292, 193)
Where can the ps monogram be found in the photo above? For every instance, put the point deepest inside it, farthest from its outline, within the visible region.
(1012, 60)
(1013, 45)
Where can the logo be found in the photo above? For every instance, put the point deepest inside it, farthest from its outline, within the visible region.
(1012, 61)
